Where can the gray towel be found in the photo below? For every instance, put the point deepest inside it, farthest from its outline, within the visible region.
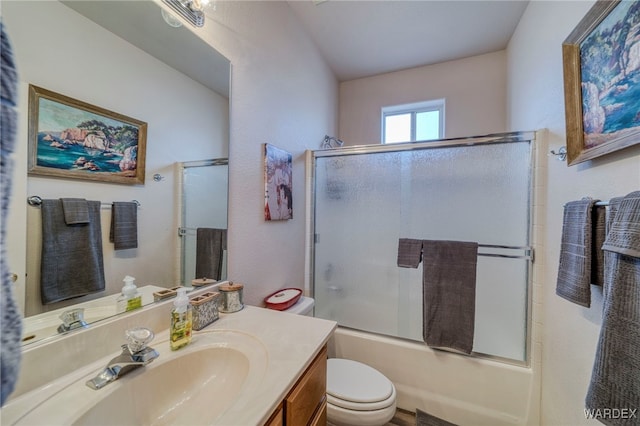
(599, 234)
(615, 380)
(624, 235)
(72, 263)
(426, 419)
(210, 244)
(409, 253)
(76, 210)
(576, 251)
(11, 322)
(449, 294)
(124, 225)
(614, 205)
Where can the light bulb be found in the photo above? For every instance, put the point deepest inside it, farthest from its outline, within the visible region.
(170, 19)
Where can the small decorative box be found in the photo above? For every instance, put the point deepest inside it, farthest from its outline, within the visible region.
(205, 309)
(283, 299)
(200, 282)
(163, 294)
(231, 297)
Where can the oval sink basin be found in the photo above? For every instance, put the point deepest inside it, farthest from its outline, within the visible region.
(176, 392)
(191, 386)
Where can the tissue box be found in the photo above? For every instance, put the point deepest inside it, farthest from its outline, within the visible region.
(205, 309)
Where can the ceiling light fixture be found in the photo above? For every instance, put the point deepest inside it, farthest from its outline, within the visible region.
(191, 10)
(170, 19)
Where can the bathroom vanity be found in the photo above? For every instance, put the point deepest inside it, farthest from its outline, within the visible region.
(252, 367)
(306, 404)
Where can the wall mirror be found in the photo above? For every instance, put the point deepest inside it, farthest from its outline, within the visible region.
(125, 57)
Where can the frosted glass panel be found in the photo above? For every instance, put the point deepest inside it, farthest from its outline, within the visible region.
(364, 203)
(204, 195)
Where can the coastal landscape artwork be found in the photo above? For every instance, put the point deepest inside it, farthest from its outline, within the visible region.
(278, 204)
(69, 138)
(601, 60)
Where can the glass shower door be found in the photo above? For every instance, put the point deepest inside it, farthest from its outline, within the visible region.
(204, 205)
(364, 202)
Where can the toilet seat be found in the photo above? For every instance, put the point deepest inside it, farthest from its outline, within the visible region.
(358, 394)
(362, 406)
(356, 386)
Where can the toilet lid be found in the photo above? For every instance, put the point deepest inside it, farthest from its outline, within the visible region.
(353, 381)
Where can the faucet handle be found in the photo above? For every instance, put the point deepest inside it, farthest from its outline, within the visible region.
(138, 338)
(71, 316)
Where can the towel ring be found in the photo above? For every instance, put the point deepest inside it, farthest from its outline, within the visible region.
(561, 153)
(34, 200)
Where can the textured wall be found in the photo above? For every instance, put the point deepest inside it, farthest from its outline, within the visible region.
(474, 90)
(282, 93)
(566, 333)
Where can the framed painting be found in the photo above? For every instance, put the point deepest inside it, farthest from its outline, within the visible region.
(69, 138)
(278, 203)
(601, 61)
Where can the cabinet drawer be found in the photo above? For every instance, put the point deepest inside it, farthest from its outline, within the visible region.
(308, 394)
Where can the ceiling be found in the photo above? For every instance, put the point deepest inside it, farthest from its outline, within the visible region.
(360, 38)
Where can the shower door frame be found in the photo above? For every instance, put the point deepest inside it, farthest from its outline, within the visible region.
(497, 138)
(182, 230)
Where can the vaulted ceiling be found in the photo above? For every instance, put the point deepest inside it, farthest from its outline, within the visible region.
(359, 38)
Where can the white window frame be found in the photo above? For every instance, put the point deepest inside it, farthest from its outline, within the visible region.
(413, 109)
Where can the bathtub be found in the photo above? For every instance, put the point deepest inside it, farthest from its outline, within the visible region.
(467, 391)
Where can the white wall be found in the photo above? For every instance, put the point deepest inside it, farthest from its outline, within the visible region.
(59, 50)
(283, 93)
(474, 90)
(569, 332)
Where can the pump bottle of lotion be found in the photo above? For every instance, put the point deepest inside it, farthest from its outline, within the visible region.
(130, 298)
(181, 321)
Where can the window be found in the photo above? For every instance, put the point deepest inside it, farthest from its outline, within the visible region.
(419, 121)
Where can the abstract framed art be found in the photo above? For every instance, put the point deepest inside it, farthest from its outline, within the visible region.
(69, 138)
(278, 168)
(601, 65)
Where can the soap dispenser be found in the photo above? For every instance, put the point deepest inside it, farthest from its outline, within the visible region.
(130, 298)
(181, 321)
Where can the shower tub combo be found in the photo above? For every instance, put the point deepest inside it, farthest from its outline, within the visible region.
(362, 200)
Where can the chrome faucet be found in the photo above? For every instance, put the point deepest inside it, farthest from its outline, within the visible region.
(134, 354)
(72, 319)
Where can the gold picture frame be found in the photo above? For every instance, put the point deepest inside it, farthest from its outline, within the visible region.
(69, 138)
(602, 95)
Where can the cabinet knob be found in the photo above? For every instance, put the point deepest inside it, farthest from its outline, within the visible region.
(14, 277)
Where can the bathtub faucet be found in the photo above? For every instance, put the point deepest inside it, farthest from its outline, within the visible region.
(134, 354)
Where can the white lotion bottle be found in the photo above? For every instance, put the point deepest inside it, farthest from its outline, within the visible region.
(130, 298)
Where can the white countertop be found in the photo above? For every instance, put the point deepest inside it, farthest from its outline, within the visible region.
(292, 341)
(288, 342)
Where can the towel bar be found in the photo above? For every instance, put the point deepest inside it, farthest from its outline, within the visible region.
(527, 250)
(36, 201)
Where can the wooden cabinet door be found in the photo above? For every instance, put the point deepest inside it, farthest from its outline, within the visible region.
(308, 394)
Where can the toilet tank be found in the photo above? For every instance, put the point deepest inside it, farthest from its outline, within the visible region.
(304, 306)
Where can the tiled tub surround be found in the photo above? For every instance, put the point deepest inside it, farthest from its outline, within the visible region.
(290, 344)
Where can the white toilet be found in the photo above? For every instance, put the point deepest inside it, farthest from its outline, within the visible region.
(357, 394)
